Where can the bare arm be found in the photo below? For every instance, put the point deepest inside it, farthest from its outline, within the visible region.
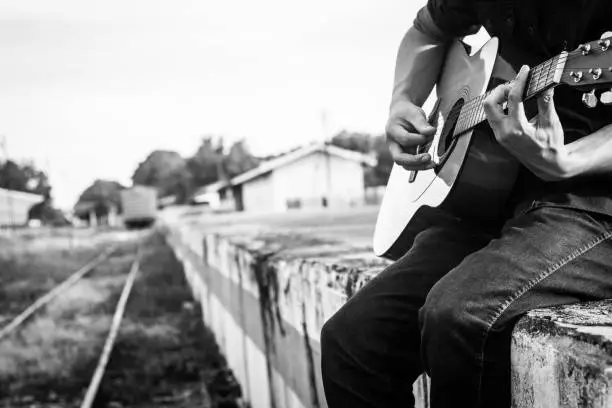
(418, 65)
(540, 144)
(417, 68)
(591, 154)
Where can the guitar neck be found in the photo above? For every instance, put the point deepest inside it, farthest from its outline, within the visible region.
(540, 78)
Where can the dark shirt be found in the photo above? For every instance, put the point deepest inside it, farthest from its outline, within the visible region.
(531, 31)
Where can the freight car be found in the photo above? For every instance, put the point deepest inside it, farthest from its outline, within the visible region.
(139, 205)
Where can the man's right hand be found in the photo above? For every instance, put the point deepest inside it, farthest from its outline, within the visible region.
(406, 129)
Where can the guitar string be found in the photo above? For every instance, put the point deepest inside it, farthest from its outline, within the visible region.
(538, 69)
(455, 112)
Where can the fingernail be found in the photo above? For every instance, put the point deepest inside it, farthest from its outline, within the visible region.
(425, 158)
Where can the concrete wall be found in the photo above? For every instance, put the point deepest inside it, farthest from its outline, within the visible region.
(266, 295)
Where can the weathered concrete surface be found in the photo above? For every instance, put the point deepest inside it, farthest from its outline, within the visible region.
(562, 357)
(267, 283)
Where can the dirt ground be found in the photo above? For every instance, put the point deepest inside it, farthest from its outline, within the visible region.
(164, 356)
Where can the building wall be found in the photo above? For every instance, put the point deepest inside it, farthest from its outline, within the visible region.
(347, 184)
(316, 177)
(14, 206)
(258, 194)
(314, 181)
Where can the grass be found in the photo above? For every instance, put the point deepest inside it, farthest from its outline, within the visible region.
(164, 355)
(50, 358)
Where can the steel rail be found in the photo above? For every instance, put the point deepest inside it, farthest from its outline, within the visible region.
(43, 300)
(94, 384)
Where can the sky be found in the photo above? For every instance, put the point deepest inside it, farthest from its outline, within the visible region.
(89, 88)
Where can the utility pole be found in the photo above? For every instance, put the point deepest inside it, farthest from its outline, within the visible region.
(9, 198)
(324, 125)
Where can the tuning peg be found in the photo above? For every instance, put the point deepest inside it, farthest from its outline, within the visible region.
(606, 98)
(585, 48)
(577, 75)
(589, 99)
(596, 73)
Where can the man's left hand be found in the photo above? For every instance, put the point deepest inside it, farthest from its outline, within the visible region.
(539, 143)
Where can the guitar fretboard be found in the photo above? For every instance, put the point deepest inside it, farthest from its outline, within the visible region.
(540, 78)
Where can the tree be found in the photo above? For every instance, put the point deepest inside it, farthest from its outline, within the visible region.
(23, 177)
(167, 171)
(99, 197)
(378, 176)
(206, 165)
(357, 141)
(173, 175)
(239, 159)
(366, 143)
(47, 214)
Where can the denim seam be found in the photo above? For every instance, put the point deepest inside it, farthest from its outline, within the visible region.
(554, 268)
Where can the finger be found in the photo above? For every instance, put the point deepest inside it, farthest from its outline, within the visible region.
(405, 138)
(493, 103)
(546, 107)
(420, 161)
(515, 96)
(420, 125)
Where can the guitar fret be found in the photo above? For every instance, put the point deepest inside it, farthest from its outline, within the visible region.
(533, 80)
(545, 76)
(551, 72)
(539, 78)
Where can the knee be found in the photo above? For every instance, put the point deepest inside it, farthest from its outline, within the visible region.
(443, 314)
(332, 333)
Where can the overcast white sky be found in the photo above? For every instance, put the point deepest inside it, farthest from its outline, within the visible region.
(89, 88)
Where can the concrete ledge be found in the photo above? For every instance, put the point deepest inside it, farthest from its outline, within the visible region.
(266, 294)
(562, 357)
(267, 286)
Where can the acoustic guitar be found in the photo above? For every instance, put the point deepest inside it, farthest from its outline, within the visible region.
(473, 173)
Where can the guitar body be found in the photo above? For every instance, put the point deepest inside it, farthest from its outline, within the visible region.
(475, 174)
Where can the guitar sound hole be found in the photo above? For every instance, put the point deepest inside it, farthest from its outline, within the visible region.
(446, 143)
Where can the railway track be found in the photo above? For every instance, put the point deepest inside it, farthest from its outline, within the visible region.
(20, 320)
(94, 384)
(127, 334)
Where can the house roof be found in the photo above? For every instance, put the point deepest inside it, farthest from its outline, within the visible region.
(211, 188)
(297, 154)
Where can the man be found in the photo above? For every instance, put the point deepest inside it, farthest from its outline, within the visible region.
(448, 306)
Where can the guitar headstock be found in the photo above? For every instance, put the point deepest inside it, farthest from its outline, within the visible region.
(589, 68)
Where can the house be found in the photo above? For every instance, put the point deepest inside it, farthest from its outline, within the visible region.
(315, 176)
(15, 207)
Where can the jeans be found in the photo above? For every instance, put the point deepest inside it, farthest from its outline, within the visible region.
(448, 306)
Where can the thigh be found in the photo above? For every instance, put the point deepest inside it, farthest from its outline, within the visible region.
(548, 256)
(379, 324)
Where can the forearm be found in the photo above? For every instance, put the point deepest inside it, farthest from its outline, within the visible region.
(418, 64)
(592, 154)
